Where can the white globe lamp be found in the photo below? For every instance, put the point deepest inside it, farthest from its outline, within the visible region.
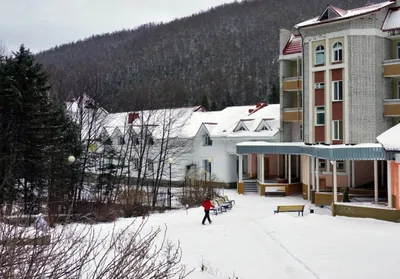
(71, 159)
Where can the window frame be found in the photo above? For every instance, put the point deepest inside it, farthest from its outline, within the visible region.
(398, 89)
(319, 50)
(398, 50)
(341, 169)
(338, 129)
(321, 84)
(337, 48)
(321, 164)
(334, 93)
(319, 112)
(207, 141)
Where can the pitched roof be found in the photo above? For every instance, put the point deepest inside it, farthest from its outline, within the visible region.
(293, 45)
(390, 139)
(392, 20)
(345, 14)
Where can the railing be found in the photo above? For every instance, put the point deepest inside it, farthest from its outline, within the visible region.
(392, 101)
(395, 32)
(391, 61)
(292, 78)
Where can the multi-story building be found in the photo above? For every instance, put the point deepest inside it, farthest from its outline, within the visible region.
(339, 90)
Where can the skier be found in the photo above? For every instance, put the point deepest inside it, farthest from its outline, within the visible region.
(207, 206)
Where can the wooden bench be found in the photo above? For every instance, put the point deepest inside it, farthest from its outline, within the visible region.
(290, 208)
(276, 190)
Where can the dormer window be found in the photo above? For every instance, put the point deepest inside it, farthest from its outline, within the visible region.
(263, 127)
(320, 55)
(207, 141)
(240, 127)
(329, 13)
(337, 52)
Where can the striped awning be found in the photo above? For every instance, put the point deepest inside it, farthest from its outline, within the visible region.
(371, 151)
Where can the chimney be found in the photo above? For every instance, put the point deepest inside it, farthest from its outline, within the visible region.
(132, 116)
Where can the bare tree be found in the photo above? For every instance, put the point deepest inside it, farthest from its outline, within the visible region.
(81, 251)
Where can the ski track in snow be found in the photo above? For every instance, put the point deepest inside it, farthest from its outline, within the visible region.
(286, 250)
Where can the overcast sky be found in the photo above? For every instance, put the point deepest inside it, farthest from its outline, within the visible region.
(41, 24)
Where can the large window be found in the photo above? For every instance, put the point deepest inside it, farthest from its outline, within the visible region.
(320, 55)
(337, 52)
(337, 126)
(320, 116)
(337, 91)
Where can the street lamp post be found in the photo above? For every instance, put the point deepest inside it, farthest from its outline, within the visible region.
(170, 161)
(209, 168)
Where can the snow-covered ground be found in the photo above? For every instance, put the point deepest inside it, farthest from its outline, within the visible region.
(253, 243)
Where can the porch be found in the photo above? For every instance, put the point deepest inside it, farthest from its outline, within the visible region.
(360, 175)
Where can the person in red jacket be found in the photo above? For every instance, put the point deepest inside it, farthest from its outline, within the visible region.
(207, 206)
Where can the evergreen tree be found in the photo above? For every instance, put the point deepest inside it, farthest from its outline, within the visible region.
(40, 136)
(205, 103)
(213, 106)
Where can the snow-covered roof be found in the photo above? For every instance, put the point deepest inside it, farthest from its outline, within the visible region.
(392, 20)
(390, 139)
(224, 123)
(345, 14)
(293, 45)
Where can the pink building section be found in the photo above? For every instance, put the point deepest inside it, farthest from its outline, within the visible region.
(395, 182)
(271, 165)
(364, 173)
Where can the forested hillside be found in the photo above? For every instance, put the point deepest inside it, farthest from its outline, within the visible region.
(225, 56)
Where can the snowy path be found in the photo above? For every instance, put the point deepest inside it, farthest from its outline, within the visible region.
(253, 243)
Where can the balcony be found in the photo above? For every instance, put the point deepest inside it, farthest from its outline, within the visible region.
(292, 115)
(391, 68)
(292, 84)
(391, 107)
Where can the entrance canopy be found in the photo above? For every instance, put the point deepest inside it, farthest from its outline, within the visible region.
(340, 152)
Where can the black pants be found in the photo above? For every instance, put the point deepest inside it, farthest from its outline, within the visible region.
(206, 216)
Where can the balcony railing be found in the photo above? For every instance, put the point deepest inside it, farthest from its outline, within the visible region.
(292, 84)
(391, 68)
(391, 107)
(292, 114)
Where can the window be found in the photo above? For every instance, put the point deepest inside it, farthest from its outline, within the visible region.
(121, 140)
(263, 127)
(207, 141)
(150, 165)
(337, 126)
(151, 140)
(398, 89)
(321, 164)
(240, 127)
(398, 50)
(337, 52)
(207, 165)
(340, 165)
(320, 85)
(320, 116)
(337, 91)
(320, 55)
(301, 132)
(135, 163)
